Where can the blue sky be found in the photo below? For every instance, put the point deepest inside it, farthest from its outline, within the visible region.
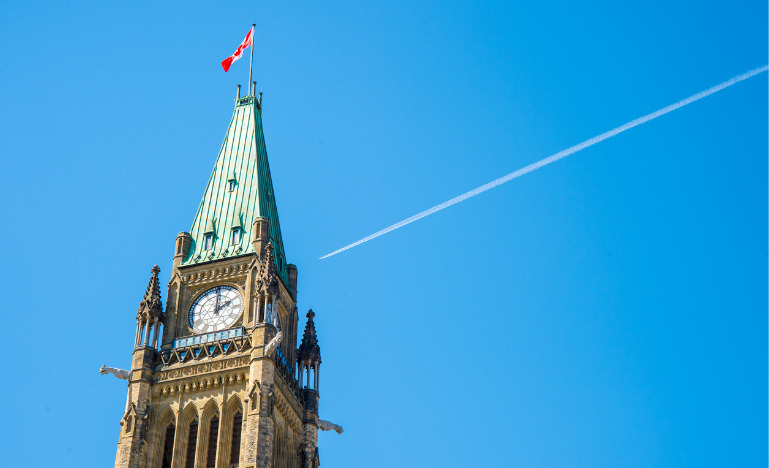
(607, 310)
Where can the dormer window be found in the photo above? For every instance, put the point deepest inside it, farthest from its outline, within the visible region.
(237, 229)
(231, 182)
(208, 240)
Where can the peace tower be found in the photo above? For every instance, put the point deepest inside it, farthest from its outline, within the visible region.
(217, 379)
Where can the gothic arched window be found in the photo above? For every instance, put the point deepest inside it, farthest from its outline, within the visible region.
(129, 424)
(213, 434)
(237, 423)
(168, 446)
(192, 441)
(277, 453)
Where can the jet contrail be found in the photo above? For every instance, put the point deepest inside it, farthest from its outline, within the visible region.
(559, 155)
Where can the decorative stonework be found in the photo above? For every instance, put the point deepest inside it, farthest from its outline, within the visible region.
(267, 278)
(151, 307)
(213, 366)
(287, 410)
(203, 384)
(232, 272)
(197, 352)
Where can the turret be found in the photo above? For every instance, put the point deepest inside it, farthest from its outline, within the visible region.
(261, 234)
(150, 314)
(132, 446)
(293, 274)
(183, 243)
(308, 357)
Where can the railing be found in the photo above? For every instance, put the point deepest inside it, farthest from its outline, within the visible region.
(288, 372)
(208, 337)
(282, 363)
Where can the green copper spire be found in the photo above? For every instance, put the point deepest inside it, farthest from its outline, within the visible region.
(238, 191)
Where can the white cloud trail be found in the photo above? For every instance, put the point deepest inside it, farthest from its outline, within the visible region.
(559, 155)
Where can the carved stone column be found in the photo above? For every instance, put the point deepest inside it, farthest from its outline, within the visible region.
(256, 446)
(132, 446)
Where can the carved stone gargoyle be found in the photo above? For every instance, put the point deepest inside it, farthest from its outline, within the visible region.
(119, 373)
(273, 344)
(329, 426)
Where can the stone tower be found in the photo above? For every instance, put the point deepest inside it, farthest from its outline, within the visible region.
(225, 386)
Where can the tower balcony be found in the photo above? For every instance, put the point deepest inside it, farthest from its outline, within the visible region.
(287, 372)
(212, 344)
(208, 337)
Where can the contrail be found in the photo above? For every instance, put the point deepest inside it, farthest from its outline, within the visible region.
(559, 155)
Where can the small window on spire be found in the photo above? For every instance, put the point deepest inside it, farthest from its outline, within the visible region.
(231, 182)
(236, 236)
(209, 242)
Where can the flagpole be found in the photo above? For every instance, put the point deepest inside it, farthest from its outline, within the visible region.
(251, 63)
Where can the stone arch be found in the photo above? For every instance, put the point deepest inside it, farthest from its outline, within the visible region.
(292, 459)
(181, 443)
(287, 455)
(284, 452)
(210, 420)
(232, 408)
(157, 435)
(128, 420)
(277, 447)
(129, 423)
(211, 408)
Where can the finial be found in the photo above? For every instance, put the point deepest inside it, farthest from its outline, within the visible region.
(152, 303)
(309, 350)
(238, 95)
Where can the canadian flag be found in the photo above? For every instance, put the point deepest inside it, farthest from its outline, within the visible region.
(226, 63)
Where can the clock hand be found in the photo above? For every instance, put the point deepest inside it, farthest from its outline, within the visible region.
(222, 306)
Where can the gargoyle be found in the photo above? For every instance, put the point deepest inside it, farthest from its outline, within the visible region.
(273, 344)
(119, 373)
(328, 426)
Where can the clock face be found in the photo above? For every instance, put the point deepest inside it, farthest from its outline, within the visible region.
(216, 309)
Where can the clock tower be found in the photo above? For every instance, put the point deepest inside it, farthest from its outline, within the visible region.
(217, 378)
